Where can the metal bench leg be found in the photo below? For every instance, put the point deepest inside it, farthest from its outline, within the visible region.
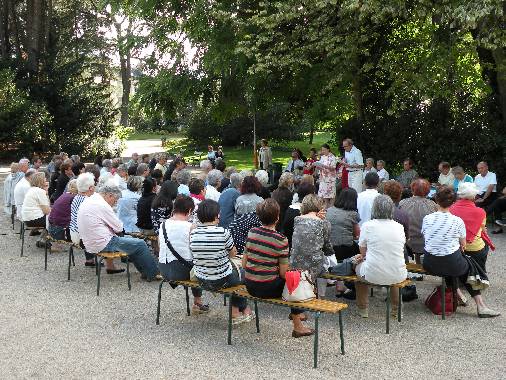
(96, 266)
(229, 340)
(187, 301)
(128, 275)
(71, 249)
(256, 317)
(443, 298)
(372, 291)
(45, 255)
(399, 307)
(224, 300)
(388, 309)
(159, 302)
(98, 275)
(22, 239)
(341, 332)
(315, 348)
(73, 258)
(454, 293)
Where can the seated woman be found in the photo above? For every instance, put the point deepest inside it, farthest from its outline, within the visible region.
(473, 240)
(213, 183)
(263, 178)
(460, 177)
(344, 228)
(127, 204)
(294, 209)
(59, 217)
(36, 202)
(212, 247)
(311, 240)
(381, 259)
(144, 222)
(161, 208)
(248, 200)
(284, 195)
(183, 178)
(176, 232)
(417, 207)
(265, 262)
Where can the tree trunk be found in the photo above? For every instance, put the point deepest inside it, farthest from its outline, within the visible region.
(14, 23)
(126, 71)
(5, 47)
(311, 134)
(35, 22)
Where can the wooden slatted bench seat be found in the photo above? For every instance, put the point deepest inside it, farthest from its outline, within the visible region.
(400, 285)
(416, 268)
(316, 306)
(101, 256)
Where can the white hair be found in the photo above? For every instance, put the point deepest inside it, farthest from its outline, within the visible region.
(467, 190)
(24, 161)
(263, 177)
(206, 164)
(245, 173)
(85, 181)
(214, 177)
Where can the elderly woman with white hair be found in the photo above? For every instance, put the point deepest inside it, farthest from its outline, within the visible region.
(99, 228)
(121, 176)
(106, 166)
(477, 242)
(127, 205)
(206, 167)
(183, 178)
(263, 178)
(213, 183)
(381, 259)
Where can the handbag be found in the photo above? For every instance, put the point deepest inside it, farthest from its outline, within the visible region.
(434, 301)
(298, 286)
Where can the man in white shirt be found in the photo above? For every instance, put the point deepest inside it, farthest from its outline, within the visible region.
(446, 176)
(487, 185)
(382, 172)
(366, 198)
(354, 163)
(20, 191)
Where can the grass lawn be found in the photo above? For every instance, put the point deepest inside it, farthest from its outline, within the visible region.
(240, 157)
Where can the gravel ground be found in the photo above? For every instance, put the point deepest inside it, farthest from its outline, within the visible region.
(51, 328)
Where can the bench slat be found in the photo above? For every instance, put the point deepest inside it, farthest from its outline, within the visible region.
(112, 255)
(416, 268)
(330, 276)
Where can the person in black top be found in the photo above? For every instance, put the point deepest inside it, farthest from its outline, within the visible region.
(177, 164)
(294, 210)
(61, 183)
(144, 221)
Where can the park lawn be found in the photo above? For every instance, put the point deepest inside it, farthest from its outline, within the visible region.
(242, 157)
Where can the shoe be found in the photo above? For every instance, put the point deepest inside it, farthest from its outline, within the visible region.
(114, 271)
(290, 317)
(501, 223)
(499, 231)
(485, 312)
(200, 309)
(461, 301)
(415, 276)
(35, 233)
(87, 264)
(349, 294)
(364, 313)
(394, 312)
(297, 334)
(158, 277)
(249, 317)
(238, 320)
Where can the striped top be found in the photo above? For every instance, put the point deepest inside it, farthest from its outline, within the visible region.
(74, 208)
(442, 232)
(210, 246)
(266, 251)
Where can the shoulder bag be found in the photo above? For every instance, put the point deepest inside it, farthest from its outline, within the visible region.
(298, 286)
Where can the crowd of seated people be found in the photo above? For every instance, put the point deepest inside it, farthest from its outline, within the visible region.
(203, 220)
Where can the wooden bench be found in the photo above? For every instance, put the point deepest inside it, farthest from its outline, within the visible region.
(400, 285)
(418, 268)
(71, 246)
(99, 257)
(316, 306)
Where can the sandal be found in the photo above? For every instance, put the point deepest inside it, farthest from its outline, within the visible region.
(200, 309)
(290, 317)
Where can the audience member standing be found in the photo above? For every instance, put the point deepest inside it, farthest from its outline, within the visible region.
(328, 175)
(354, 163)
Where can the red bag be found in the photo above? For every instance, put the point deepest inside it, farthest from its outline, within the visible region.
(434, 301)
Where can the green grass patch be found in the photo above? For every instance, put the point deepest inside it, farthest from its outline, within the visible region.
(242, 157)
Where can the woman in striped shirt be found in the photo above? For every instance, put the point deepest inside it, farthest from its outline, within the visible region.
(265, 261)
(212, 247)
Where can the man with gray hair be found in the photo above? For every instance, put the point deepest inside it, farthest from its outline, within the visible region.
(354, 163)
(20, 191)
(143, 170)
(227, 200)
(99, 229)
(213, 183)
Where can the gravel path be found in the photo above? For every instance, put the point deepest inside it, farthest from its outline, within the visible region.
(51, 328)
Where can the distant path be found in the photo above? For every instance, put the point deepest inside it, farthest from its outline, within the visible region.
(148, 146)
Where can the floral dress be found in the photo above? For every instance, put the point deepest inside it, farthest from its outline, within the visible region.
(327, 189)
(310, 244)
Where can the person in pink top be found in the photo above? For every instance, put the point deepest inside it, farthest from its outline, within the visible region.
(99, 229)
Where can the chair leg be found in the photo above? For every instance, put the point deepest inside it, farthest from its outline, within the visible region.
(341, 332)
(73, 258)
(98, 275)
(128, 275)
(159, 302)
(388, 309)
(454, 293)
(229, 338)
(257, 321)
(443, 299)
(372, 291)
(71, 249)
(187, 300)
(45, 255)
(399, 307)
(224, 300)
(315, 348)
(96, 266)
(22, 239)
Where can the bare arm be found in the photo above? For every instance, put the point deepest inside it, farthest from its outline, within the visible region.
(462, 242)
(282, 270)
(356, 231)
(244, 259)
(45, 209)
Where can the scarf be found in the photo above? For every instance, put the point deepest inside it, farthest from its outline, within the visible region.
(473, 218)
(200, 197)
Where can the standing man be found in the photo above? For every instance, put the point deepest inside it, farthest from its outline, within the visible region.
(354, 163)
(36, 162)
(487, 185)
